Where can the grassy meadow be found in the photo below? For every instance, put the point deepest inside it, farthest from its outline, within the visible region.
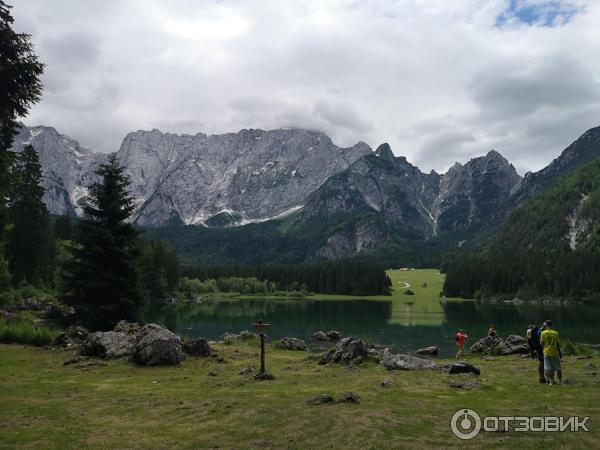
(207, 404)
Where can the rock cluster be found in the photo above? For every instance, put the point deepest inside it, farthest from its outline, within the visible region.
(512, 345)
(150, 345)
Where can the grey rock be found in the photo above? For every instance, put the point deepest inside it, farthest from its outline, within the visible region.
(292, 343)
(156, 346)
(127, 327)
(514, 339)
(323, 336)
(406, 362)
(241, 336)
(386, 383)
(468, 384)
(320, 336)
(250, 370)
(196, 347)
(463, 367)
(346, 351)
(266, 376)
(427, 351)
(71, 336)
(333, 335)
(320, 400)
(108, 344)
(486, 344)
(349, 397)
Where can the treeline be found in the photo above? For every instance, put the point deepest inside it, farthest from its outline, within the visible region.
(550, 246)
(345, 277)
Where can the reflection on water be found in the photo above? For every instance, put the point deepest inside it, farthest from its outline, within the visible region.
(390, 323)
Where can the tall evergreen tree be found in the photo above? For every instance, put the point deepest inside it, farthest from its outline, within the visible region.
(101, 280)
(29, 236)
(20, 87)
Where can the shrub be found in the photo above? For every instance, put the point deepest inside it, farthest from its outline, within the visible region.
(570, 348)
(26, 333)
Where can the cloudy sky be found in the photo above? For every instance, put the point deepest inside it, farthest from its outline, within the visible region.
(440, 80)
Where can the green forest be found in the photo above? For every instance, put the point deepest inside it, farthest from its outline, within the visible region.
(549, 246)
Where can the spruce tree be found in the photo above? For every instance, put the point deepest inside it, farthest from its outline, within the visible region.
(20, 87)
(28, 243)
(101, 280)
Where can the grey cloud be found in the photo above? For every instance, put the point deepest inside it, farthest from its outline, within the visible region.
(437, 80)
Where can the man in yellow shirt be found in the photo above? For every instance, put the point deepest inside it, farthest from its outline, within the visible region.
(550, 342)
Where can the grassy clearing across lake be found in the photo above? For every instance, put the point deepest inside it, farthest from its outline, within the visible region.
(206, 404)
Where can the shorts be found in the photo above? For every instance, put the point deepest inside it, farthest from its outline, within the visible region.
(551, 363)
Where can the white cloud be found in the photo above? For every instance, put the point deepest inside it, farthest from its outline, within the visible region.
(440, 81)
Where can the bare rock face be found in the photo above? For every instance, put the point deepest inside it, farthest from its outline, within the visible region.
(157, 346)
(108, 344)
(406, 362)
(346, 351)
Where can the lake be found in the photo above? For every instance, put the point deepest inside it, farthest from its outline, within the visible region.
(396, 322)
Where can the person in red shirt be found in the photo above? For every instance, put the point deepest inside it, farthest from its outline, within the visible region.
(460, 339)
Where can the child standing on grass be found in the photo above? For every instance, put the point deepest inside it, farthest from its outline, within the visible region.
(460, 339)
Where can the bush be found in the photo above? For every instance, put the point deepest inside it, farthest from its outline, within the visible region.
(26, 333)
(571, 349)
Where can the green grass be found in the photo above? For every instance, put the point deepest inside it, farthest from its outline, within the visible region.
(206, 404)
(26, 333)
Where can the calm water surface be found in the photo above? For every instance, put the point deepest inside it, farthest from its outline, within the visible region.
(389, 323)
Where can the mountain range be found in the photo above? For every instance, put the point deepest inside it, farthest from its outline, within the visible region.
(281, 185)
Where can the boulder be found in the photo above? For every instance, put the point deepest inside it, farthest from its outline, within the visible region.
(157, 346)
(346, 351)
(406, 362)
(127, 327)
(463, 367)
(514, 340)
(320, 336)
(427, 351)
(320, 400)
(505, 348)
(72, 336)
(469, 384)
(349, 397)
(108, 344)
(331, 335)
(485, 344)
(266, 376)
(241, 336)
(196, 347)
(385, 383)
(292, 343)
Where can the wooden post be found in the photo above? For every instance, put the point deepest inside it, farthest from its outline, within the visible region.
(261, 327)
(262, 352)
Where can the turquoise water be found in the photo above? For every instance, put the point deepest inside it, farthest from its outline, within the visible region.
(378, 321)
